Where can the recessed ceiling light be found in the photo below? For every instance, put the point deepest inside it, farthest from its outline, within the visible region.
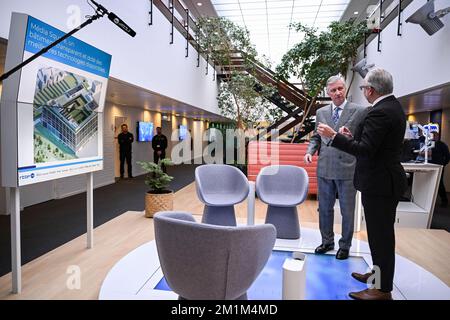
(356, 12)
(199, 4)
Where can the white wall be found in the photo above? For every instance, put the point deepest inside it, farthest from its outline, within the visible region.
(142, 151)
(148, 60)
(416, 61)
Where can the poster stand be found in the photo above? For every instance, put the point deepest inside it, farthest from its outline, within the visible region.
(16, 258)
(86, 82)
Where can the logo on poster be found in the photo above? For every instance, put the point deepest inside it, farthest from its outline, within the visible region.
(27, 176)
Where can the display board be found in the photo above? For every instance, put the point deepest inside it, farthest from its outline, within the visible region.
(56, 130)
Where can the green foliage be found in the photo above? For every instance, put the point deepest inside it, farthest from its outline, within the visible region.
(320, 56)
(253, 107)
(156, 178)
(222, 40)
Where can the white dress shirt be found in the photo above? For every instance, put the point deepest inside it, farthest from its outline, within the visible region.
(381, 98)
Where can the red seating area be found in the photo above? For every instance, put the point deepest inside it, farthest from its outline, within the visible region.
(264, 153)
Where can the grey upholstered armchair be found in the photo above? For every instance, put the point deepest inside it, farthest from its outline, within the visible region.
(209, 262)
(283, 187)
(220, 187)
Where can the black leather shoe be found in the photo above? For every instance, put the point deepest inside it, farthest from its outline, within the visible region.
(362, 277)
(371, 294)
(342, 254)
(323, 248)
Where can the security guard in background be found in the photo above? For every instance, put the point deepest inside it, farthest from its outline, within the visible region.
(125, 139)
(159, 145)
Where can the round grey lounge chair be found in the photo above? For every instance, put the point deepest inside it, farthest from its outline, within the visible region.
(208, 262)
(220, 187)
(283, 187)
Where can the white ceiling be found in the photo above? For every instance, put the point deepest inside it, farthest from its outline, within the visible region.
(268, 20)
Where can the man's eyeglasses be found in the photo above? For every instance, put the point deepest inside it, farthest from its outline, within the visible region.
(364, 87)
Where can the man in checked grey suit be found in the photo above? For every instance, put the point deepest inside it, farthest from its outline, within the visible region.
(335, 168)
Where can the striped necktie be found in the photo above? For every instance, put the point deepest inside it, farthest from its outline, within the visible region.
(335, 117)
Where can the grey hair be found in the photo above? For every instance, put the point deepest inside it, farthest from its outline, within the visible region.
(380, 80)
(334, 79)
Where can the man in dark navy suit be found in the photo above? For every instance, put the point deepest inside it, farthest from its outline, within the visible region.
(377, 146)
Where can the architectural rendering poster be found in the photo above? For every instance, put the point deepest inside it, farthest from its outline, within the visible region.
(61, 97)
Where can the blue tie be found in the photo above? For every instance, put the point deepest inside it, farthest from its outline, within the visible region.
(335, 117)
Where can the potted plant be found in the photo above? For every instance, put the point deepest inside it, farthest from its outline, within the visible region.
(158, 198)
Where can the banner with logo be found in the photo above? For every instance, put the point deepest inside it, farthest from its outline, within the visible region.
(60, 101)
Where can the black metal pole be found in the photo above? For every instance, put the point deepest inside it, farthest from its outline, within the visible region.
(198, 54)
(151, 13)
(207, 63)
(44, 50)
(365, 44)
(399, 24)
(379, 29)
(187, 33)
(171, 7)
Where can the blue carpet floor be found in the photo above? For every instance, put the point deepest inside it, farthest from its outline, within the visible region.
(326, 278)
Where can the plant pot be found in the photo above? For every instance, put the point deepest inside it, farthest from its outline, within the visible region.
(155, 202)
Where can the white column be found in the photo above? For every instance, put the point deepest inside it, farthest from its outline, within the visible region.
(16, 259)
(251, 204)
(90, 210)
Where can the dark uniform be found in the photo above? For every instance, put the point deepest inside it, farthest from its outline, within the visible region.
(159, 143)
(125, 141)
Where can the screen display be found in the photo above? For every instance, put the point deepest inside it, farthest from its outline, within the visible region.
(183, 132)
(145, 131)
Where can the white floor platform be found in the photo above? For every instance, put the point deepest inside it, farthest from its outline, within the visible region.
(136, 274)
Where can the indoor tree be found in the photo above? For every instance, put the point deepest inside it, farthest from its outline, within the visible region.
(321, 55)
(223, 42)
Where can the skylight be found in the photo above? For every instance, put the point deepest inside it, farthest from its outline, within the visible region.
(268, 20)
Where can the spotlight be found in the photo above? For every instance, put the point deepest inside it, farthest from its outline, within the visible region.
(428, 19)
(362, 67)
